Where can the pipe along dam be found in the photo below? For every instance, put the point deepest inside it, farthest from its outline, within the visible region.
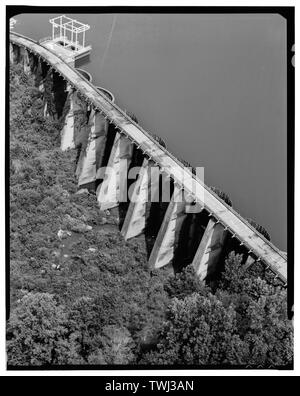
(105, 135)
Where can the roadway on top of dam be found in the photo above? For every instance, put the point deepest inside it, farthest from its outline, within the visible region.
(239, 227)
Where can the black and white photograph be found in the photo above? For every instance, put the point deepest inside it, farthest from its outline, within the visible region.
(149, 180)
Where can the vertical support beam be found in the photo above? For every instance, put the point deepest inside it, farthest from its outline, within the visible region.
(27, 69)
(71, 131)
(209, 250)
(167, 238)
(114, 186)
(16, 52)
(250, 260)
(46, 110)
(11, 53)
(91, 157)
(135, 220)
(49, 105)
(67, 132)
(19, 54)
(39, 80)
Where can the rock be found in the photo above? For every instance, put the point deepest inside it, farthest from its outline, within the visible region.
(53, 266)
(103, 221)
(107, 212)
(66, 255)
(76, 225)
(16, 165)
(83, 218)
(105, 255)
(63, 234)
(82, 191)
(56, 253)
(65, 193)
(91, 249)
(104, 231)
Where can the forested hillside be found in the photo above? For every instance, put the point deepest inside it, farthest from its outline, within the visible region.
(80, 294)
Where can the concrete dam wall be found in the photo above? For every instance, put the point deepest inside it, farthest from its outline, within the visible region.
(106, 138)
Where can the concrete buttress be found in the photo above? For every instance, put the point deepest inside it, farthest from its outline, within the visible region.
(91, 156)
(113, 189)
(167, 238)
(209, 250)
(26, 64)
(135, 220)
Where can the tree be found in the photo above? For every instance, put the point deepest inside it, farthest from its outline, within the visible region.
(117, 345)
(261, 310)
(37, 333)
(184, 283)
(199, 331)
(244, 323)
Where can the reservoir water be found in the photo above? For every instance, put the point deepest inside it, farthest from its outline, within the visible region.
(212, 86)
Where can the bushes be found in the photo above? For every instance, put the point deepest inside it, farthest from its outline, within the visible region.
(90, 298)
(184, 283)
(159, 140)
(104, 297)
(222, 195)
(244, 323)
(260, 229)
(38, 334)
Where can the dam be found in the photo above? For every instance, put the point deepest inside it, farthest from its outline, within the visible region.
(105, 135)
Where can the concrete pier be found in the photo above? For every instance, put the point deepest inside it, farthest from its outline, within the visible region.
(94, 146)
(250, 260)
(11, 53)
(209, 250)
(70, 134)
(112, 189)
(91, 157)
(27, 68)
(67, 132)
(71, 131)
(135, 220)
(167, 238)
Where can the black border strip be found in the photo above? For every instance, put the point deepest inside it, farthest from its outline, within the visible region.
(286, 12)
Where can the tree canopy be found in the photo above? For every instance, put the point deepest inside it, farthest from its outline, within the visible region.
(81, 294)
